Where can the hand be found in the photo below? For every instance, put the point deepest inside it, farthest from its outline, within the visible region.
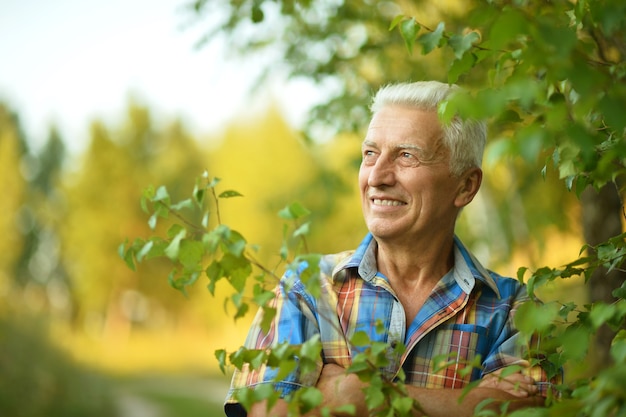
(516, 384)
(341, 388)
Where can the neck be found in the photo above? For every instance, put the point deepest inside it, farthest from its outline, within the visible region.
(419, 263)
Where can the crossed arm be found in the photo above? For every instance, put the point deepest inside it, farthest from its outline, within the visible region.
(340, 388)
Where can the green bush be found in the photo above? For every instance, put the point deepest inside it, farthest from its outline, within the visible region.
(38, 379)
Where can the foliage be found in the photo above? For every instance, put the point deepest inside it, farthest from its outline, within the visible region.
(116, 162)
(191, 245)
(551, 78)
(40, 380)
(12, 184)
(346, 47)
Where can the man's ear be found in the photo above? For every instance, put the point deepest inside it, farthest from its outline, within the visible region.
(469, 184)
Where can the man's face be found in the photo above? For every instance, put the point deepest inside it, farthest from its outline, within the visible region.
(407, 190)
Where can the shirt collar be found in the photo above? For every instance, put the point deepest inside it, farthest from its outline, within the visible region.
(467, 269)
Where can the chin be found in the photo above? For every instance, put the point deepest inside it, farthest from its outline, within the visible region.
(381, 231)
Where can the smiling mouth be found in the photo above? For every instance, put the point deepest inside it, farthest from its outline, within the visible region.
(379, 202)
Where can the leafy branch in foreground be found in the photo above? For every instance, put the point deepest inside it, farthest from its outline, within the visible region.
(567, 330)
(197, 244)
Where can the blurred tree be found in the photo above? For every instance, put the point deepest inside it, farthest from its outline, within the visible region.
(40, 269)
(267, 162)
(13, 186)
(104, 206)
(39, 379)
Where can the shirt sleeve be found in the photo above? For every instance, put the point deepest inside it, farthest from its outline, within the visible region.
(294, 323)
(508, 349)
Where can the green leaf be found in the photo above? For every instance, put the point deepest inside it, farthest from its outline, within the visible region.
(360, 338)
(127, 255)
(402, 405)
(618, 347)
(510, 370)
(242, 307)
(152, 221)
(220, 355)
(532, 317)
(190, 254)
(146, 196)
(161, 194)
(261, 296)
(184, 204)
(257, 14)
(359, 365)
(243, 356)
(399, 18)
(236, 245)
(409, 29)
(531, 141)
(312, 348)
(144, 250)
(374, 396)
(507, 28)
(173, 248)
(568, 154)
(601, 313)
(461, 66)
(575, 342)
(462, 43)
(213, 182)
(520, 273)
(230, 194)
(269, 313)
(432, 40)
(303, 230)
(198, 195)
(280, 353)
(237, 269)
(347, 409)
(309, 398)
(214, 272)
(294, 211)
(205, 219)
(174, 230)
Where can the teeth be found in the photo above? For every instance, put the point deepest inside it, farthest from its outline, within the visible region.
(378, 202)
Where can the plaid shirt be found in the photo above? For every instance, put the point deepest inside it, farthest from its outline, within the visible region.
(469, 312)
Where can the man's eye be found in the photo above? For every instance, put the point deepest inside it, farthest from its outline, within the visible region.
(408, 159)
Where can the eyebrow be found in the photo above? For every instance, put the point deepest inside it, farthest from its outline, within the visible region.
(399, 146)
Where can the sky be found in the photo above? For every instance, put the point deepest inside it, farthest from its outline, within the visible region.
(68, 62)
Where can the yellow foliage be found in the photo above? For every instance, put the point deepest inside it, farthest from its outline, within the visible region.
(264, 160)
(12, 185)
(345, 223)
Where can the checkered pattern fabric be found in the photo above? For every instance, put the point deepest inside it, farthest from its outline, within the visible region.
(469, 312)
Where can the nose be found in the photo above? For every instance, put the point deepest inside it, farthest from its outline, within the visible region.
(382, 173)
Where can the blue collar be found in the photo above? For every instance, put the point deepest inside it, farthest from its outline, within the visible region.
(467, 269)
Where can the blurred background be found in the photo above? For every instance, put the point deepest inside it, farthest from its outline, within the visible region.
(99, 100)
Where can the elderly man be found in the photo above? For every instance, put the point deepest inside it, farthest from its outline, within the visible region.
(410, 276)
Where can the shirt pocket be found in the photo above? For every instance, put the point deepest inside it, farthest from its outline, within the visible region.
(453, 355)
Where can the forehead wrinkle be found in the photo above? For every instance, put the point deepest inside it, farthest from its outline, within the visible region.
(408, 146)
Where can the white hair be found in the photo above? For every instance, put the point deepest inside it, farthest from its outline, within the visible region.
(465, 139)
